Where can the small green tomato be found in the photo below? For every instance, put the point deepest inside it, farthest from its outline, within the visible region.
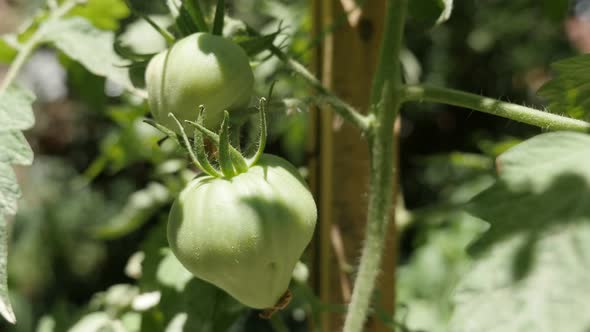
(245, 234)
(201, 69)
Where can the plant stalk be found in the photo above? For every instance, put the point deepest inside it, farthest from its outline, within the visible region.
(385, 104)
(343, 109)
(545, 120)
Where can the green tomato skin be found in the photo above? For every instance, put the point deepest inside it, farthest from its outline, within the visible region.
(200, 69)
(245, 234)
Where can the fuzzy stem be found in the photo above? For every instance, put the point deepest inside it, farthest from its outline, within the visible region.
(511, 111)
(343, 109)
(385, 104)
(32, 43)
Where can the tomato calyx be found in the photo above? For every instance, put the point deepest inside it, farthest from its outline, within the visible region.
(230, 160)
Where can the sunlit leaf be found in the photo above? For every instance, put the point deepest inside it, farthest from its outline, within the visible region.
(15, 114)
(104, 14)
(91, 47)
(14, 148)
(532, 266)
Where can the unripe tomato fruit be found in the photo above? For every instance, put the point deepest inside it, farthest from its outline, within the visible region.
(244, 234)
(200, 69)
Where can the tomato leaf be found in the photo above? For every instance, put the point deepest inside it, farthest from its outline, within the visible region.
(256, 44)
(104, 14)
(91, 47)
(531, 272)
(569, 92)
(16, 114)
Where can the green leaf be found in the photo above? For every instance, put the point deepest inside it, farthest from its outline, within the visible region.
(427, 280)
(569, 92)
(16, 112)
(256, 44)
(7, 51)
(430, 12)
(14, 148)
(5, 306)
(91, 47)
(104, 14)
(532, 267)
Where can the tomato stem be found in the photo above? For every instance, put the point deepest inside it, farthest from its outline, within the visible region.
(346, 111)
(545, 120)
(385, 105)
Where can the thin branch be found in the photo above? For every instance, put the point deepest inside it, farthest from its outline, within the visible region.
(535, 117)
(343, 109)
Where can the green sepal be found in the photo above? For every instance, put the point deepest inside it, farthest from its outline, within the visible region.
(263, 133)
(225, 160)
(199, 146)
(237, 157)
(195, 14)
(218, 20)
(187, 143)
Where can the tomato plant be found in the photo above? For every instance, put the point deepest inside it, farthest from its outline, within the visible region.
(200, 69)
(495, 239)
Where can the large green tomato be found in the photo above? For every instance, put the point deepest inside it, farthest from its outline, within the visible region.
(201, 69)
(245, 234)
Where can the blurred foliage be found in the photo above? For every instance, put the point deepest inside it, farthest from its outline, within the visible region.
(88, 250)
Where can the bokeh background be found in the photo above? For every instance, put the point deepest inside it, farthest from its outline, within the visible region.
(96, 197)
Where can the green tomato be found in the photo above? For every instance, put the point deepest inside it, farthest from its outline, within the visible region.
(244, 234)
(201, 69)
